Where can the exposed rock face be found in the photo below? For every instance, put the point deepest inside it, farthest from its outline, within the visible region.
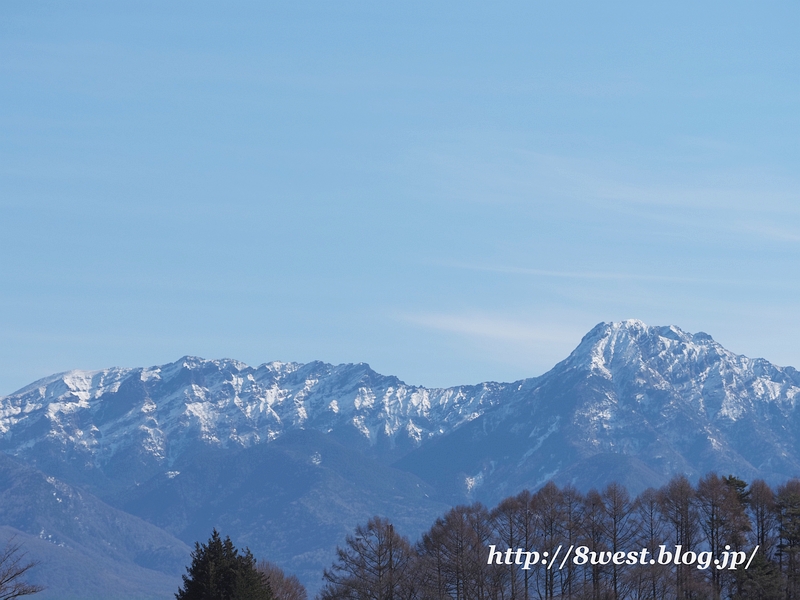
(105, 418)
(289, 457)
(632, 403)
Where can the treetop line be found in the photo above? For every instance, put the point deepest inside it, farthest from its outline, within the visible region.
(449, 562)
(721, 518)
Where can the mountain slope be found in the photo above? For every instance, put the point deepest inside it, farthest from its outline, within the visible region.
(287, 458)
(292, 500)
(651, 400)
(87, 548)
(117, 427)
(631, 403)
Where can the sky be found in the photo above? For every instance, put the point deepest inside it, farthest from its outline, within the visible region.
(452, 192)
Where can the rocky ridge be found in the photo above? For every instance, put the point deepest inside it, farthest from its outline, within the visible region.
(287, 458)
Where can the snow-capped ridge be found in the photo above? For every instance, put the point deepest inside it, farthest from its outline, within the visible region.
(224, 402)
(630, 371)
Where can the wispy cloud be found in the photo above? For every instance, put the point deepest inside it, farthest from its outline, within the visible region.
(503, 170)
(773, 232)
(491, 327)
(588, 275)
(605, 275)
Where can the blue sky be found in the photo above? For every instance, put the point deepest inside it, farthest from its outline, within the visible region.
(452, 192)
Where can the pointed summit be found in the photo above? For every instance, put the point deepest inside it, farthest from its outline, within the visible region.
(636, 404)
(669, 399)
(623, 345)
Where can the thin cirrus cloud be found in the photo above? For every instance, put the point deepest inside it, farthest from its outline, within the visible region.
(517, 347)
(590, 275)
(485, 326)
(773, 232)
(599, 275)
(505, 171)
(724, 204)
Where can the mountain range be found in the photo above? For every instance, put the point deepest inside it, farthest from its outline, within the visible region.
(123, 469)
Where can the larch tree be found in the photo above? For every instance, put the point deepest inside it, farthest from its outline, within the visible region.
(653, 581)
(375, 564)
(510, 530)
(762, 511)
(620, 530)
(283, 586)
(677, 506)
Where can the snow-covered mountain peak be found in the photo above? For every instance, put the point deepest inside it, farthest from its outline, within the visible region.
(679, 368)
(162, 410)
(622, 377)
(632, 342)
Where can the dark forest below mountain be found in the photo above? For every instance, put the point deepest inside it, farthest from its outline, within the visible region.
(457, 558)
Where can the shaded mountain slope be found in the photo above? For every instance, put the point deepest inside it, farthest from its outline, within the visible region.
(87, 548)
(287, 458)
(632, 403)
(292, 500)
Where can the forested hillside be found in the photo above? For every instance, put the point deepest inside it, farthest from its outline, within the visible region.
(721, 539)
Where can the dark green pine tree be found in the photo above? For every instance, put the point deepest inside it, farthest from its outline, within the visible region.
(220, 572)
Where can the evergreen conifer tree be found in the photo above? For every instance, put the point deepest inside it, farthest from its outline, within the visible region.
(220, 572)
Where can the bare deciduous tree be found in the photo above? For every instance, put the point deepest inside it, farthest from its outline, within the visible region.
(550, 504)
(660, 535)
(572, 511)
(653, 581)
(511, 530)
(762, 509)
(677, 505)
(594, 530)
(13, 567)
(712, 497)
(454, 556)
(283, 586)
(375, 565)
(620, 530)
